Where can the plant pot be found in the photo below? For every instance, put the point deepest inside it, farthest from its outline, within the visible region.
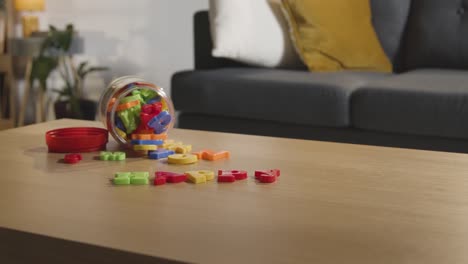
(63, 109)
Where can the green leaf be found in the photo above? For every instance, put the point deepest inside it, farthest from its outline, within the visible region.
(54, 47)
(82, 67)
(92, 69)
(58, 39)
(95, 69)
(65, 39)
(41, 69)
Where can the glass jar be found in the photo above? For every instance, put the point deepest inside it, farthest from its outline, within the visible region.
(130, 105)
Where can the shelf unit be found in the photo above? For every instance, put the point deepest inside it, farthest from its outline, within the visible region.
(9, 87)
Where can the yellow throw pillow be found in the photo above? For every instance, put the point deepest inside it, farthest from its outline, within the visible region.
(335, 35)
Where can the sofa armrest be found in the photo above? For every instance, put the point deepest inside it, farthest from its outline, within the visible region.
(203, 45)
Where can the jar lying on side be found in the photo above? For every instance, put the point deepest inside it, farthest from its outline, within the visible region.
(131, 106)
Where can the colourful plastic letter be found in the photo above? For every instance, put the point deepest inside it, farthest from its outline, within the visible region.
(182, 159)
(139, 178)
(237, 174)
(121, 133)
(160, 180)
(72, 158)
(200, 176)
(150, 136)
(274, 172)
(183, 149)
(211, 155)
(160, 153)
(172, 177)
(122, 178)
(226, 178)
(146, 142)
(160, 122)
(107, 155)
(144, 147)
(267, 176)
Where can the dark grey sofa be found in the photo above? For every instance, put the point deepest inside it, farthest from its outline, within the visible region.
(423, 105)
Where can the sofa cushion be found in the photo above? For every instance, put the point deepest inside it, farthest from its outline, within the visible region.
(330, 42)
(259, 22)
(437, 34)
(299, 97)
(422, 102)
(389, 19)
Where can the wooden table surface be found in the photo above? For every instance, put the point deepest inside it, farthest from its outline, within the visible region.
(334, 203)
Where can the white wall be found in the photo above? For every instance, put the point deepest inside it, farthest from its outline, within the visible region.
(150, 38)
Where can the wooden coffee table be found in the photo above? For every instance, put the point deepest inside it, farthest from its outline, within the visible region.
(334, 203)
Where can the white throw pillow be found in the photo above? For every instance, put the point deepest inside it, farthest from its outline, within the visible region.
(252, 32)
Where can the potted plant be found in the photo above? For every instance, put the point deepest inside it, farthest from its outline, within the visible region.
(70, 103)
(54, 55)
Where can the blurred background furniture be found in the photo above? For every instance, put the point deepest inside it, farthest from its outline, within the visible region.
(8, 85)
(414, 107)
(15, 50)
(29, 21)
(8, 93)
(29, 48)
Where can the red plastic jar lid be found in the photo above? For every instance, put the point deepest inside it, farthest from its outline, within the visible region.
(76, 139)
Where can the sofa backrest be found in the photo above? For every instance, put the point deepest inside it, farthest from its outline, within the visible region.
(203, 45)
(437, 35)
(389, 18)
